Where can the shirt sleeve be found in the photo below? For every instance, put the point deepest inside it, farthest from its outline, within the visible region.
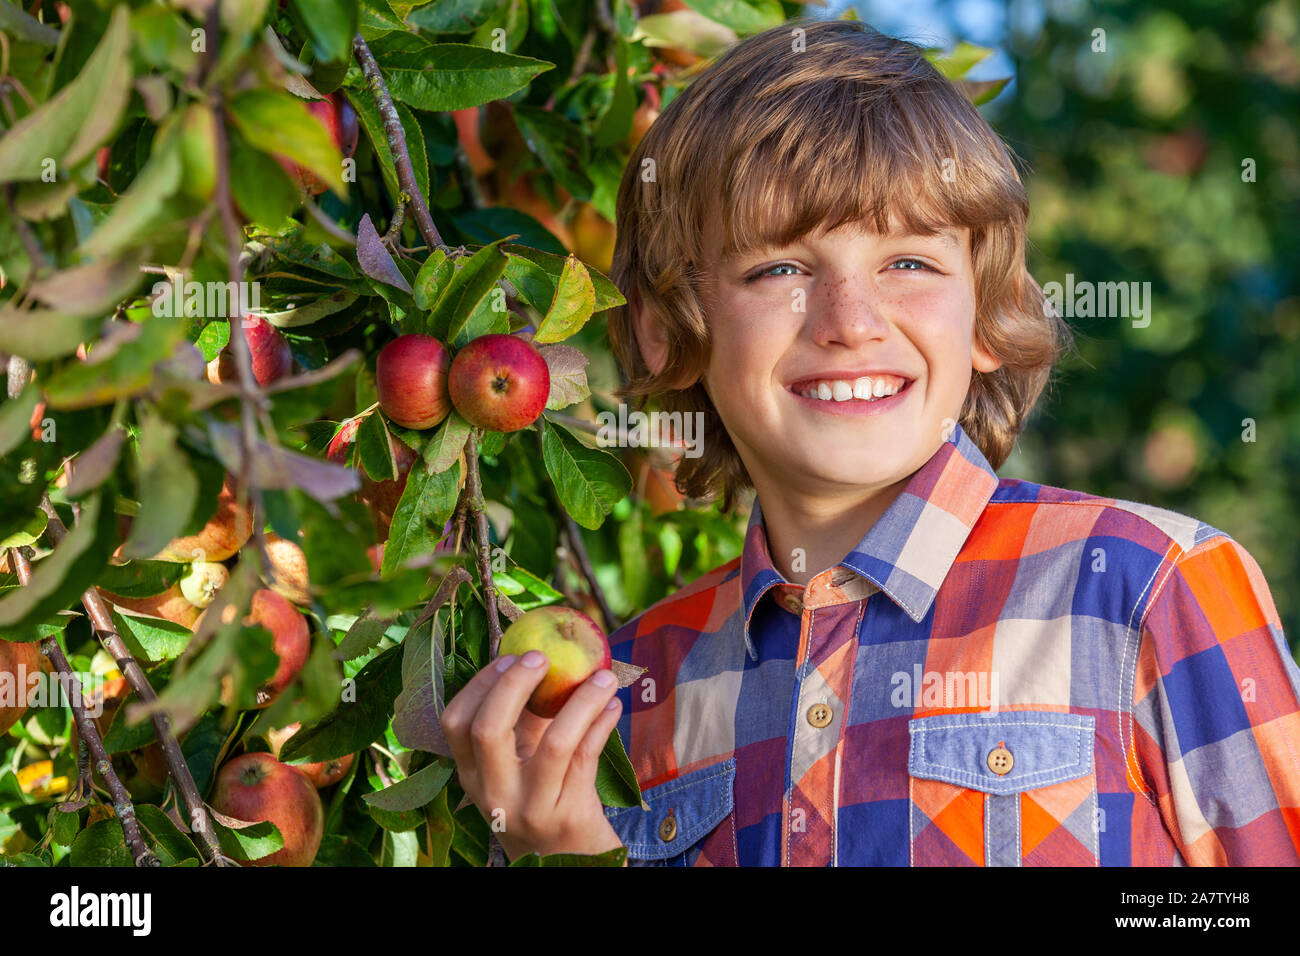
(1217, 712)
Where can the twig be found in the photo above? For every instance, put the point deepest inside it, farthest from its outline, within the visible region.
(393, 236)
(88, 733)
(483, 552)
(328, 224)
(379, 768)
(31, 245)
(102, 624)
(396, 143)
(470, 190)
(250, 398)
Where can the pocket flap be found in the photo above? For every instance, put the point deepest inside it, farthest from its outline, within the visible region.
(1046, 747)
(698, 801)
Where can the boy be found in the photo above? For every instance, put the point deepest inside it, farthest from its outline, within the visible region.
(912, 662)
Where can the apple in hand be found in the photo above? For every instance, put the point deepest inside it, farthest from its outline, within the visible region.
(411, 379)
(17, 663)
(499, 382)
(268, 349)
(575, 648)
(257, 787)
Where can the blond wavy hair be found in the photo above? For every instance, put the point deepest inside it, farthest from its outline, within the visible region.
(772, 142)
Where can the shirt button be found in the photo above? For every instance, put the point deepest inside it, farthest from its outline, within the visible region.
(819, 715)
(668, 828)
(1000, 759)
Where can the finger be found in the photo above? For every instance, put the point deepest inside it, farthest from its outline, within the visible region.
(546, 770)
(458, 715)
(581, 778)
(492, 732)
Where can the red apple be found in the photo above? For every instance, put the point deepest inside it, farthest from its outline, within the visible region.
(257, 787)
(323, 773)
(17, 662)
(290, 639)
(171, 604)
(499, 382)
(574, 645)
(270, 353)
(223, 535)
(339, 118)
(411, 378)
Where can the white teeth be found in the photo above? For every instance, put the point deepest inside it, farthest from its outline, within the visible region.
(864, 388)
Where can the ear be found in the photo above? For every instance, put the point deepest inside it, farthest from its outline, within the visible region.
(982, 360)
(650, 337)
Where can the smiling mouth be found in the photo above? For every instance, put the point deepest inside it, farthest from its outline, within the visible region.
(864, 390)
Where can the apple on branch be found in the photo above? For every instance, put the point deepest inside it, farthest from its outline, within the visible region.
(339, 118)
(499, 382)
(575, 648)
(411, 379)
(257, 787)
(268, 349)
(290, 639)
(17, 662)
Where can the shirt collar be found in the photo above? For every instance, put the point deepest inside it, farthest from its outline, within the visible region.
(909, 551)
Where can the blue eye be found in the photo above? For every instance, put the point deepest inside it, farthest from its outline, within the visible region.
(768, 271)
(916, 262)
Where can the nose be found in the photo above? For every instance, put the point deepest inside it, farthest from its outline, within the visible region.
(848, 311)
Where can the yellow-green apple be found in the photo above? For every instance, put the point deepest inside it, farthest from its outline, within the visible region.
(270, 353)
(18, 661)
(288, 572)
(223, 535)
(575, 648)
(257, 787)
(499, 382)
(323, 773)
(411, 379)
(204, 580)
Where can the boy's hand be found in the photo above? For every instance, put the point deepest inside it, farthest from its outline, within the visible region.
(536, 775)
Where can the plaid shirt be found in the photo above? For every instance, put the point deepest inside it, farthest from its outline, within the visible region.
(1000, 673)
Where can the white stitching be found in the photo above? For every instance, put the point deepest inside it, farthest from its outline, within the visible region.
(1054, 775)
(1135, 641)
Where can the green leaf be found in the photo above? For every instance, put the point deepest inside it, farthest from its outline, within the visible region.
(150, 639)
(123, 737)
(589, 481)
(453, 16)
(144, 206)
(475, 278)
(575, 298)
(615, 779)
(374, 448)
(456, 76)
(443, 449)
(366, 632)
(66, 825)
(163, 836)
(536, 274)
(742, 16)
(61, 576)
(616, 120)
(125, 372)
(442, 828)
(140, 578)
(959, 62)
(632, 557)
(81, 117)
(249, 843)
(418, 707)
(262, 189)
(331, 24)
(279, 122)
(433, 278)
(167, 483)
(422, 513)
(400, 849)
(101, 844)
(359, 720)
(416, 791)
(22, 26)
(481, 226)
(614, 857)
(15, 418)
(214, 337)
(560, 144)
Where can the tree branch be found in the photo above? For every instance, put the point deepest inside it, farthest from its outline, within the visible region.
(397, 143)
(88, 733)
(102, 624)
(483, 550)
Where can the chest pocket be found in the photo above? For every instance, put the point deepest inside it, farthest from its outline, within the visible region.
(683, 812)
(1017, 788)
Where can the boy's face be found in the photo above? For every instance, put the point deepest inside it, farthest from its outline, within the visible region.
(820, 316)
